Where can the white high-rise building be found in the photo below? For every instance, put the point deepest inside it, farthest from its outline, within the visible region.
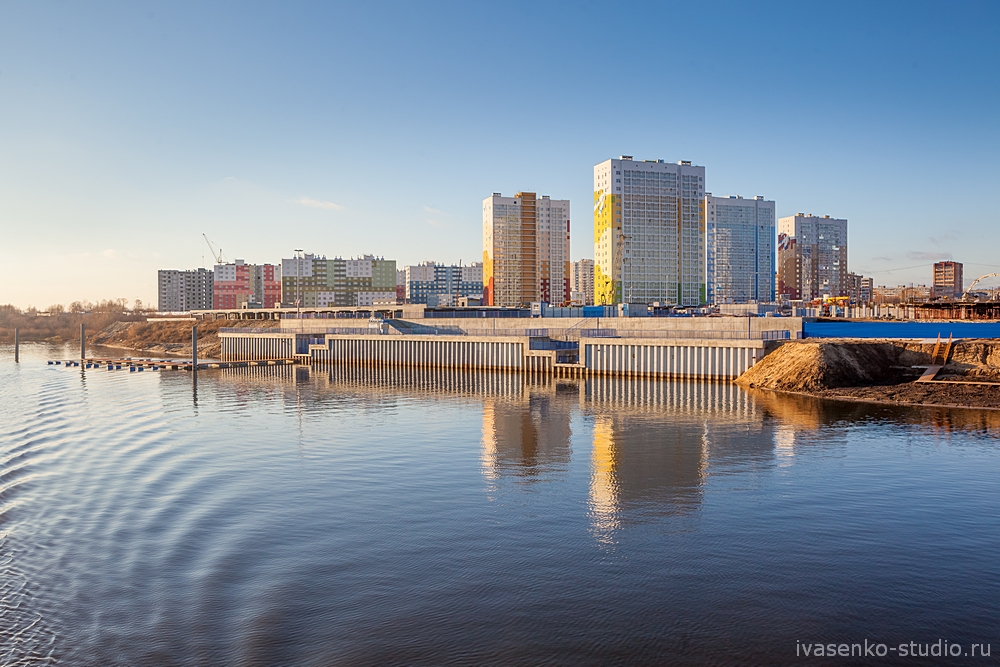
(649, 232)
(525, 249)
(739, 249)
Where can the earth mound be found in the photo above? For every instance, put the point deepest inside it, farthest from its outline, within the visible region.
(811, 366)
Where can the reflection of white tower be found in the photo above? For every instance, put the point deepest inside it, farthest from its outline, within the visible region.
(603, 487)
(525, 437)
(784, 444)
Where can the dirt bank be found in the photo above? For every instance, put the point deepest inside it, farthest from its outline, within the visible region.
(59, 327)
(880, 370)
(168, 338)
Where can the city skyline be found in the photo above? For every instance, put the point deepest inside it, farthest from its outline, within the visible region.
(349, 129)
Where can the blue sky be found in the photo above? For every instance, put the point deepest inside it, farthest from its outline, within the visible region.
(129, 129)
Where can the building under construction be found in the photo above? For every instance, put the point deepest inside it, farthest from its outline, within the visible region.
(957, 310)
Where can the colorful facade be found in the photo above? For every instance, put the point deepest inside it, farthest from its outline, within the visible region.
(525, 250)
(239, 283)
(315, 281)
(649, 232)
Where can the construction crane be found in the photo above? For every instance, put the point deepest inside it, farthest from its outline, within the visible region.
(976, 282)
(217, 256)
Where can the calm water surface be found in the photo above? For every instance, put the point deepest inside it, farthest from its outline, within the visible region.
(350, 517)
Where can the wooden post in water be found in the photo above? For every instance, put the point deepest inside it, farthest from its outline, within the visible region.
(17, 345)
(83, 341)
(194, 349)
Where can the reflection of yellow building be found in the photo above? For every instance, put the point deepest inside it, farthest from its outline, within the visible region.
(603, 491)
(638, 463)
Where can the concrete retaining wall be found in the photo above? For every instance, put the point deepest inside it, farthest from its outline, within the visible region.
(256, 347)
(709, 359)
(423, 351)
(697, 359)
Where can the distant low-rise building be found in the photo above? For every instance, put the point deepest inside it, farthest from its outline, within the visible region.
(179, 291)
(902, 294)
(436, 284)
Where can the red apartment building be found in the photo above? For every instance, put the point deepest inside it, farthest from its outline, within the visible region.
(239, 283)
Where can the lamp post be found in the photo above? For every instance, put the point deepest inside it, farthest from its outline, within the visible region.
(298, 286)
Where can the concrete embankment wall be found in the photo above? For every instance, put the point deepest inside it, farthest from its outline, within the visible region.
(642, 357)
(715, 359)
(256, 346)
(425, 351)
(697, 359)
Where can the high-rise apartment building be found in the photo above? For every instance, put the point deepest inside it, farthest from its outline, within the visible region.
(739, 249)
(316, 281)
(238, 283)
(437, 284)
(179, 291)
(583, 281)
(812, 257)
(525, 249)
(649, 232)
(948, 280)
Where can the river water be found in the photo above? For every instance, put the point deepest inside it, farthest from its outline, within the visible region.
(291, 516)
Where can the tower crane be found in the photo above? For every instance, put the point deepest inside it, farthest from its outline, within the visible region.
(217, 256)
(976, 282)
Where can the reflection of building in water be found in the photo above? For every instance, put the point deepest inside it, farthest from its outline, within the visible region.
(529, 434)
(784, 444)
(656, 442)
(644, 466)
(718, 400)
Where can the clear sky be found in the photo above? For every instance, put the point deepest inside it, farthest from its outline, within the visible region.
(128, 129)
